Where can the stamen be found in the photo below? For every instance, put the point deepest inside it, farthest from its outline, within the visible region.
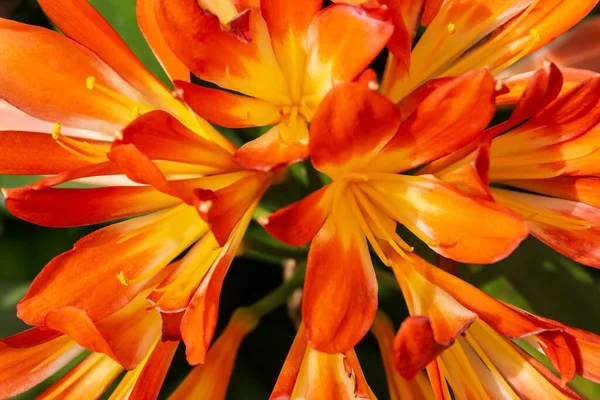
(93, 153)
(451, 28)
(91, 84)
(123, 279)
(366, 230)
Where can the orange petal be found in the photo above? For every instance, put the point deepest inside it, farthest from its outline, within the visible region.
(419, 388)
(199, 321)
(77, 207)
(288, 24)
(350, 127)
(239, 57)
(339, 274)
(79, 20)
(151, 241)
(576, 48)
(582, 189)
(149, 383)
(161, 136)
(415, 346)
(462, 108)
(567, 117)
(223, 209)
(299, 222)
(342, 41)
(451, 221)
(57, 88)
(125, 336)
(92, 376)
(226, 108)
(23, 368)
(280, 146)
(284, 387)
(149, 27)
(210, 380)
(31, 153)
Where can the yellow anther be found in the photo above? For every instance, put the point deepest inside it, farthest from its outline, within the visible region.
(535, 34)
(123, 279)
(135, 112)
(451, 28)
(56, 131)
(90, 82)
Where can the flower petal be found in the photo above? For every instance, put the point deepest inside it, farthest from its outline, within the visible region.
(56, 89)
(279, 146)
(149, 27)
(223, 209)
(298, 223)
(284, 387)
(161, 136)
(31, 153)
(339, 274)
(462, 108)
(125, 336)
(149, 383)
(350, 127)
(451, 221)
(288, 24)
(223, 56)
(200, 319)
(79, 20)
(151, 241)
(342, 41)
(582, 189)
(23, 368)
(61, 208)
(226, 108)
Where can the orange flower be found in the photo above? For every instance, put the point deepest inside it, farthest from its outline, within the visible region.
(553, 156)
(281, 59)
(358, 139)
(465, 338)
(210, 380)
(189, 182)
(309, 374)
(417, 388)
(463, 35)
(130, 339)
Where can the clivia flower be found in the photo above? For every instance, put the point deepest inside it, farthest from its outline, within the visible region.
(465, 339)
(359, 141)
(543, 163)
(192, 193)
(273, 64)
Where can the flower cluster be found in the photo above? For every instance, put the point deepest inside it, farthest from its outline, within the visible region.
(415, 155)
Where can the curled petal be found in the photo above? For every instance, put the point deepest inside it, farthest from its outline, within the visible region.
(299, 222)
(462, 108)
(351, 126)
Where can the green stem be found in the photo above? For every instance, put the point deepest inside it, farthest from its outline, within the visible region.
(279, 296)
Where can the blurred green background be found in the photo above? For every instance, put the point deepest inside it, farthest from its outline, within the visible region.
(534, 277)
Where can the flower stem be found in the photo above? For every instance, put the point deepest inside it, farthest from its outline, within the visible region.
(279, 296)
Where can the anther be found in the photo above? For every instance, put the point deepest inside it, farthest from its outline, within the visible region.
(535, 34)
(90, 82)
(135, 112)
(451, 28)
(56, 131)
(123, 279)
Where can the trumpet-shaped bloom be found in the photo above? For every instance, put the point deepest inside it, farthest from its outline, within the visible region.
(308, 374)
(464, 35)
(545, 169)
(358, 139)
(280, 58)
(466, 340)
(418, 388)
(210, 380)
(175, 168)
